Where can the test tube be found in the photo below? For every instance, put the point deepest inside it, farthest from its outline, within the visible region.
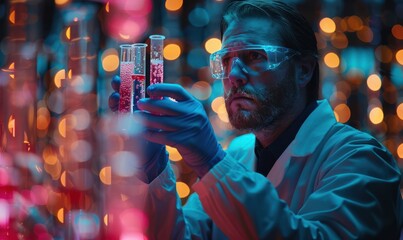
(126, 82)
(138, 77)
(156, 59)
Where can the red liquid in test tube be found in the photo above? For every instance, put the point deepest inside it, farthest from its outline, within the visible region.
(138, 89)
(157, 71)
(126, 87)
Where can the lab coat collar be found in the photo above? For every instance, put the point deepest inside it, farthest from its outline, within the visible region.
(311, 133)
(313, 130)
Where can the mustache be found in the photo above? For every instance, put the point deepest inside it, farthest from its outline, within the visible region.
(244, 92)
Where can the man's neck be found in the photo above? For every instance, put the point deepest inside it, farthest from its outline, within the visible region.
(268, 135)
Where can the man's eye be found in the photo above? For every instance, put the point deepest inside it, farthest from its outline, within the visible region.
(255, 56)
(225, 60)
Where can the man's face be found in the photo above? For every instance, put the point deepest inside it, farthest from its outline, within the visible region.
(258, 100)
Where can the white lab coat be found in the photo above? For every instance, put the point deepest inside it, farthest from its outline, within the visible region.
(332, 182)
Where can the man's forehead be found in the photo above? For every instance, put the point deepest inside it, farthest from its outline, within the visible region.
(251, 31)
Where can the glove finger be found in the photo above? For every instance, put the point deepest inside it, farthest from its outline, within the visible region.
(174, 91)
(159, 137)
(113, 101)
(115, 83)
(165, 106)
(155, 122)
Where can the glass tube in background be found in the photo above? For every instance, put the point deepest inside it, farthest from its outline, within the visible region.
(156, 59)
(139, 54)
(126, 72)
(78, 182)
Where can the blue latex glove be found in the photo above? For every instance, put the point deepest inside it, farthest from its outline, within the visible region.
(182, 124)
(155, 158)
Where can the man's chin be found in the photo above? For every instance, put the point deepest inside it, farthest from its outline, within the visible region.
(242, 121)
(250, 121)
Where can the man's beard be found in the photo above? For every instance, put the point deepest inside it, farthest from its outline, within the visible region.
(272, 103)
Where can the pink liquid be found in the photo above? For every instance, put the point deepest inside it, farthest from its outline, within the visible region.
(126, 87)
(156, 71)
(138, 89)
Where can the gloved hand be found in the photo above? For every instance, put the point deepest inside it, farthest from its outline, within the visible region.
(180, 123)
(153, 156)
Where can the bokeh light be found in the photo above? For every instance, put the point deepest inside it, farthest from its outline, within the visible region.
(339, 40)
(342, 113)
(354, 23)
(212, 45)
(63, 179)
(374, 82)
(217, 103)
(327, 25)
(106, 217)
(5, 211)
(60, 215)
(124, 164)
(199, 17)
(62, 127)
(399, 56)
(61, 3)
(182, 189)
(81, 118)
(110, 60)
(129, 20)
(49, 156)
(59, 77)
(384, 54)
(365, 34)
(85, 225)
(197, 58)
(173, 5)
(397, 31)
(399, 111)
(222, 113)
(400, 151)
(68, 33)
(376, 115)
(332, 60)
(11, 17)
(81, 150)
(43, 118)
(174, 155)
(172, 51)
(201, 90)
(105, 175)
(341, 23)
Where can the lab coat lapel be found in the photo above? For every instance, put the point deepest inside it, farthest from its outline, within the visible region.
(286, 172)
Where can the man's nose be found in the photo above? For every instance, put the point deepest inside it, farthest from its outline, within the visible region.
(237, 74)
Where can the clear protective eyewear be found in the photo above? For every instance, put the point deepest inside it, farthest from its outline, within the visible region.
(251, 58)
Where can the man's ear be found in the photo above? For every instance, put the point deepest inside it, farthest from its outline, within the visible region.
(305, 70)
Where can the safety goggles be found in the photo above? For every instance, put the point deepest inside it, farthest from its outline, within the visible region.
(251, 59)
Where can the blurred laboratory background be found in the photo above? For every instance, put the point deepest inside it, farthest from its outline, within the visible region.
(57, 57)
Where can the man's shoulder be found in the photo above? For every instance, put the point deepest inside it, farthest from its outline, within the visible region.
(345, 140)
(345, 132)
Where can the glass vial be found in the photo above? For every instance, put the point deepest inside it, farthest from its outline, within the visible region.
(126, 72)
(156, 59)
(138, 77)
